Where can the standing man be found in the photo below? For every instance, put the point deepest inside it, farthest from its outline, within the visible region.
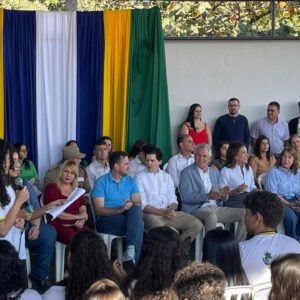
(181, 160)
(294, 124)
(273, 127)
(200, 192)
(118, 205)
(232, 127)
(99, 166)
(159, 201)
(264, 211)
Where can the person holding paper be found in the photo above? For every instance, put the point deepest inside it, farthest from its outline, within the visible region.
(74, 217)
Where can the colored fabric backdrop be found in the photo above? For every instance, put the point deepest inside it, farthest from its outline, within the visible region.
(19, 78)
(117, 39)
(1, 77)
(90, 47)
(148, 107)
(56, 84)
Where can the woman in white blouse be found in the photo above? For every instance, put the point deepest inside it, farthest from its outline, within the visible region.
(237, 175)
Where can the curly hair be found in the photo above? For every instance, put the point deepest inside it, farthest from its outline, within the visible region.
(285, 277)
(200, 281)
(88, 263)
(162, 255)
(12, 272)
(4, 151)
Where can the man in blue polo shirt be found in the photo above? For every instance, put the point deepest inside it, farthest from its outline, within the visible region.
(117, 203)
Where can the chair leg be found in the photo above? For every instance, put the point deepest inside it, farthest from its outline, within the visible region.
(28, 267)
(198, 245)
(60, 249)
(120, 248)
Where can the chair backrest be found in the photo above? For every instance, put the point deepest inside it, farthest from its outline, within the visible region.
(261, 181)
(261, 291)
(238, 292)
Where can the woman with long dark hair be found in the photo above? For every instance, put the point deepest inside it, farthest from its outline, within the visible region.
(221, 152)
(221, 249)
(262, 160)
(195, 127)
(87, 263)
(237, 175)
(161, 257)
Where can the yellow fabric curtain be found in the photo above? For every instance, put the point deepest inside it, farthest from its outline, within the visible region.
(1, 77)
(116, 60)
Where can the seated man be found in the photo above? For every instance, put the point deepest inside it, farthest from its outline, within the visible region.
(117, 204)
(159, 200)
(99, 166)
(74, 154)
(264, 211)
(181, 160)
(200, 192)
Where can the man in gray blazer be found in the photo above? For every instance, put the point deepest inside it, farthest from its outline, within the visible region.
(202, 196)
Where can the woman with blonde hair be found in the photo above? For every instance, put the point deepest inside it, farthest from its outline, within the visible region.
(74, 217)
(294, 142)
(104, 289)
(285, 277)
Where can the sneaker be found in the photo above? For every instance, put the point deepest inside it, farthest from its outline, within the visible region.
(129, 254)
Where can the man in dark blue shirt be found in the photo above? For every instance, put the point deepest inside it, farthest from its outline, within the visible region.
(232, 127)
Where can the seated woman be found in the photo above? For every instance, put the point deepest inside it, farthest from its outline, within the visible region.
(262, 160)
(195, 127)
(220, 158)
(13, 275)
(74, 217)
(161, 257)
(284, 180)
(237, 175)
(87, 263)
(11, 224)
(219, 246)
(294, 142)
(28, 170)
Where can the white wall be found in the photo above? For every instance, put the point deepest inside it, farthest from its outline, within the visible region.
(211, 72)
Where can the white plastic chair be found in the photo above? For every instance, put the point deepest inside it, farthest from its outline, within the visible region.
(261, 291)
(28, 267)
(107, 238)
(261, 181)
(238, 292)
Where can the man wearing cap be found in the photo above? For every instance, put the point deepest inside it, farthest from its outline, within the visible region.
(74, 154)
(294, 124)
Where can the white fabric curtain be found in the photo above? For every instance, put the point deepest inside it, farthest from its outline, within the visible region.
(55, 85)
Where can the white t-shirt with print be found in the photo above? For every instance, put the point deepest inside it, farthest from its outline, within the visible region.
(258, 252)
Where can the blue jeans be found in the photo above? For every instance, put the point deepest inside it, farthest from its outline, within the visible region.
(290, 222)
(44, 246)
(129, 223)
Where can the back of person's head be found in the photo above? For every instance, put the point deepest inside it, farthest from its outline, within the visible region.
(200, 281)
(104, 289)
(219, 247)
(285, 277)
(162, 255)
(88, 262)
(115, 158)
(267, 204)
(12, 272)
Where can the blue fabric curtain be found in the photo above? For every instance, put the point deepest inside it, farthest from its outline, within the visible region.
(19, 79)
(90, 55)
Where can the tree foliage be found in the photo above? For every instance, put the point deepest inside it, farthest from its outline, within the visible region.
(198, 19)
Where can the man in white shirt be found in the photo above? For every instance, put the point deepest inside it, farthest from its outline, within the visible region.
(181, 160)
(200, 193)
(273, 127)
(100, 164)
(159, 201)
(264, 212)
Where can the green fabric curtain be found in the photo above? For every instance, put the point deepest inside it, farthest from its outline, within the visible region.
(148, 106)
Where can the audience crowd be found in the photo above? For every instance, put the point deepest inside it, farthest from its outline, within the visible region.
(212, 199)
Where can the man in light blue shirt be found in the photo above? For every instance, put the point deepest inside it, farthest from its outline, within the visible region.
(117, 204)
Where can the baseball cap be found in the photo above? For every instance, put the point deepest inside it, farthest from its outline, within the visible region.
(71, 152)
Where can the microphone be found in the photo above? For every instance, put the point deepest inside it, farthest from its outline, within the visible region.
(20, 185)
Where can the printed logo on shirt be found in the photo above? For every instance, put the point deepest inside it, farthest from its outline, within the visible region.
(267, 258)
